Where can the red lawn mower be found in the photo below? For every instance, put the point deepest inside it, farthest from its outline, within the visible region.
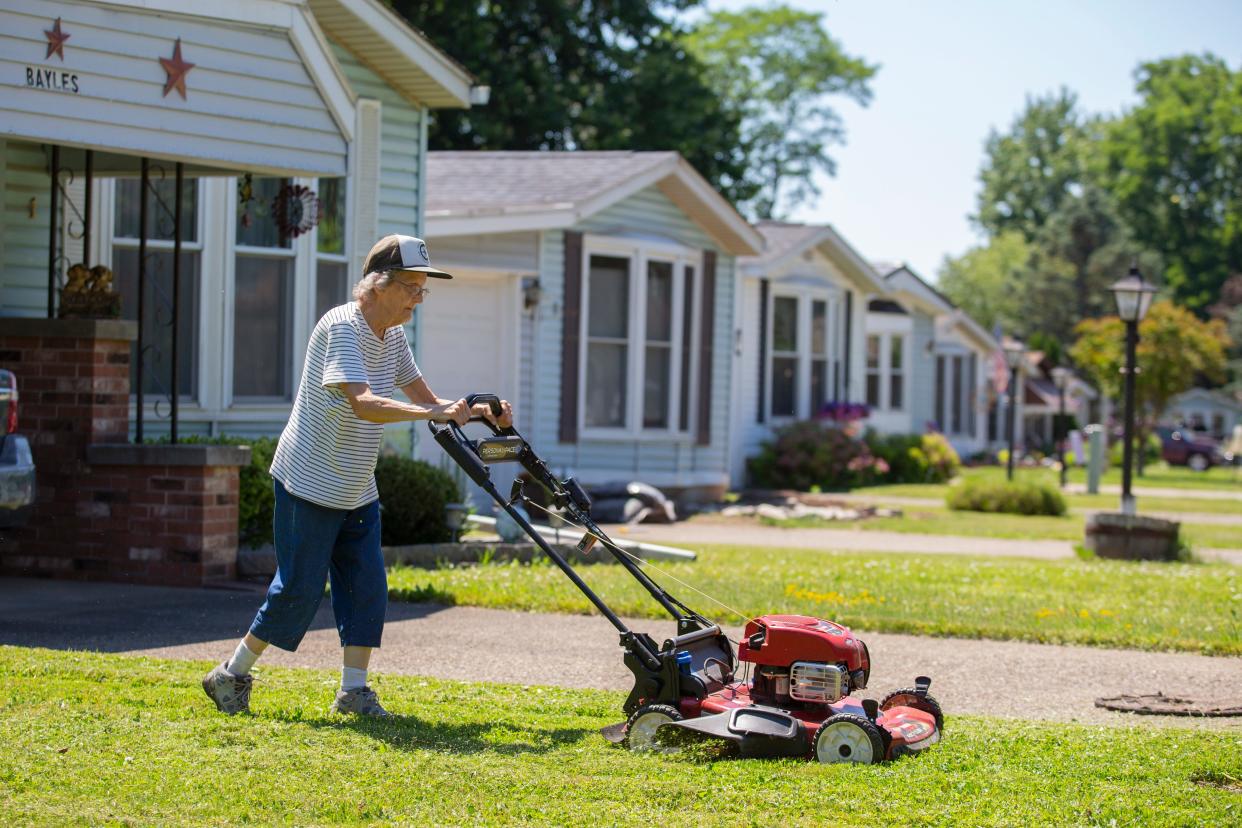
(793, 697)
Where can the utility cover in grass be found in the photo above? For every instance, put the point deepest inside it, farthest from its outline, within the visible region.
(1158, 704)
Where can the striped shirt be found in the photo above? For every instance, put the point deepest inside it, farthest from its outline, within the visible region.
(326, 454)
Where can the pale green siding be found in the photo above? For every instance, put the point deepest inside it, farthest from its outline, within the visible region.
(400, 148)
(23, 238)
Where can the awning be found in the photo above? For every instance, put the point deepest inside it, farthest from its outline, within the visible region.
(256, 95)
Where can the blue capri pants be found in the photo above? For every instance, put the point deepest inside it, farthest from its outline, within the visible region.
(315, 544)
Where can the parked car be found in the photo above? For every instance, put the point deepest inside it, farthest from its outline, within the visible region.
(1182, 447)
(17, 468)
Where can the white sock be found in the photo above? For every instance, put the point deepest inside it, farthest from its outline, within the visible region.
(242, 660)
(353, 678)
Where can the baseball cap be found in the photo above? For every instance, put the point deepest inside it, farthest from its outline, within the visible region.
(404, 254)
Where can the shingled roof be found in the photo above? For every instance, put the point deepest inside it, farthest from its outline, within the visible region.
(784, 240)
(488, 192)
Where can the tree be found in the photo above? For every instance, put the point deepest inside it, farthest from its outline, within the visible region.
(1174, 164)
(778, 67)
(985, 281)
(1080, 251)
(1030, 171)
(569, 75)
(1175, 349)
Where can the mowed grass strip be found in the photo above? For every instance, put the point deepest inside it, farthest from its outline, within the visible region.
(1195, 607)
(1217, 480)
(944, 521)
(106, 739)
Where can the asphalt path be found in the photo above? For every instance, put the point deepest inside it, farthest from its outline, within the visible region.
(993, 678)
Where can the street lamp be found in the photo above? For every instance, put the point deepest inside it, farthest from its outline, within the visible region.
(1060, 377)
(1133, 296)
(1015, 351)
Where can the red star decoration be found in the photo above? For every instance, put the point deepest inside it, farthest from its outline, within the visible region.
(177, 69)
(55, 41)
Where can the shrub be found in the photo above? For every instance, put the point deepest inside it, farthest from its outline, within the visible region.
(808, 453)
(915, 458)
(256, 501)
(1010, 498)
(413, 495)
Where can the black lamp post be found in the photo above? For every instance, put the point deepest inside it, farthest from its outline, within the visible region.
(1014, 353)
(1133, 297)
(1060, 376)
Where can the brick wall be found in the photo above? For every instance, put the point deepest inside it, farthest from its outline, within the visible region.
(106, 509)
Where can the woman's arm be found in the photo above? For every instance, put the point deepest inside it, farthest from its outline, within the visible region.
(376, 409)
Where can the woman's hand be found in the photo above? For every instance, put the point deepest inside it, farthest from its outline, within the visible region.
(506, 414)
(457, 412)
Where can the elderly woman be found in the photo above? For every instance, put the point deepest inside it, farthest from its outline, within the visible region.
(327, 518)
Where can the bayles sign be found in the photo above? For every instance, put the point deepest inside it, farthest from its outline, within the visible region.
(37, 78)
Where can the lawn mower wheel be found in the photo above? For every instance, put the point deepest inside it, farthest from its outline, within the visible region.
(640, 730)
(846, 737)
(911, 697)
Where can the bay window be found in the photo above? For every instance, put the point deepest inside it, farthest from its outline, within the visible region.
(331, 267)
(802, 352)
(784, 356)
(638, 317)
(886, 371)
(262, 299)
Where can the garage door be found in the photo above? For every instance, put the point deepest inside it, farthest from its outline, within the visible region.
(469, 341)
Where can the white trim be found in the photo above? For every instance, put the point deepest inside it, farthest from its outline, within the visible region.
(312, 46)
(391, 31)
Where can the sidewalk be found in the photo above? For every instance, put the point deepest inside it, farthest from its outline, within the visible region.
(992, 678)
(737, 532)
(1214, 518)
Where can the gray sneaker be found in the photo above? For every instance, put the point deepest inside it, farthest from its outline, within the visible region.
(230, 693)
(362, 701)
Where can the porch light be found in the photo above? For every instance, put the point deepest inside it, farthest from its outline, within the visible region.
(1060, 378)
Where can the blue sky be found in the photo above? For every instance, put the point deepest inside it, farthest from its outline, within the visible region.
(953, 70)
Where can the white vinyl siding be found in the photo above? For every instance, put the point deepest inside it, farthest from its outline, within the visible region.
(250, 101)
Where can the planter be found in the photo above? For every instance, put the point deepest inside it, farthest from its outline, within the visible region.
(1132, 537)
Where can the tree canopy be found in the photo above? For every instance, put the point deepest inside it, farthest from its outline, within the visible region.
(778, 67)
(1174, 164)
(1175, 349)
(568, 75)
(742, 96)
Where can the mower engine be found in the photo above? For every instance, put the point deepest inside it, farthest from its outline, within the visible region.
(803, 662)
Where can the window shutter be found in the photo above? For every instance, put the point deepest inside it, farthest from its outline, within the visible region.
(849, 339)
(763, 348)
(571, 336)
(366, 183)
(706, 335)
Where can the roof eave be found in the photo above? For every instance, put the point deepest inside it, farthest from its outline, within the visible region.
(450, 83)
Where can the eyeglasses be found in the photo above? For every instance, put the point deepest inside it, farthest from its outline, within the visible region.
(414, 290)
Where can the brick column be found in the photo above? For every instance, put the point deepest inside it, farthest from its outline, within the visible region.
(106, 509)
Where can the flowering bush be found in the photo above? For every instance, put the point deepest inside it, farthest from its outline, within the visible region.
(805, 454)
(915, 458)
(843, 412)
(819, 454)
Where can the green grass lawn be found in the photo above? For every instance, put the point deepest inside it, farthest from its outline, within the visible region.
(938, 491)
(1162, 475)
(1196, 607)
(944, 521)
(102, 739)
